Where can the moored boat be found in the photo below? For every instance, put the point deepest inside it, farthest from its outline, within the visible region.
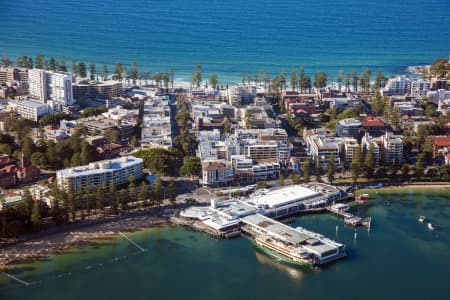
(431, 226)
(283, 252)
(422, 219)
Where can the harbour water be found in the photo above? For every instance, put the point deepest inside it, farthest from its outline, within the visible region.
(398, 259)
(231, 37)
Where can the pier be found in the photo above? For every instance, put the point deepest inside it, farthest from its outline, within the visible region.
(341, 210)
(16, 279)
(131, 241)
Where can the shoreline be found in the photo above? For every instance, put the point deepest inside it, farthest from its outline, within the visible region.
(56, 243)
(427, 186)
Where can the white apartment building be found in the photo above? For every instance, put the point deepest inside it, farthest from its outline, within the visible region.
(397, 86)
(51, 86)
(37, 85)
(368, 141)
(350, 147)
(325, 147)
(98, 173)
(30, 110)
(420, 88)
(392, 148)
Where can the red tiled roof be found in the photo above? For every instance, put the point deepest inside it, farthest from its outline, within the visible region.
(442, 141)
(372, 121)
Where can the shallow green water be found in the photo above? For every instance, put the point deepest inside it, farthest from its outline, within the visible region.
(398, 259)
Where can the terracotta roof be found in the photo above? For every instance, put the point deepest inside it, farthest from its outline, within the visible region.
(372, 121)
(442, 141)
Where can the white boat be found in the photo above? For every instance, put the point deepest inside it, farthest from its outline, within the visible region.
(430, 226)
(421, 219)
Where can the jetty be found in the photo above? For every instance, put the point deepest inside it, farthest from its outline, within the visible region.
(16, 279)
(341, 210)
(260, 217)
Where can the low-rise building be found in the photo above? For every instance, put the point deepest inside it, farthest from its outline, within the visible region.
(29, 109)
(214, 173)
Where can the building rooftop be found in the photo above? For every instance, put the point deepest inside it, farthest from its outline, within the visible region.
(283, 196)
(100, 167)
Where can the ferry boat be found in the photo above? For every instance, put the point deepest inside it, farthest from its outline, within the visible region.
(283, 252)
(422, 219)
(431, 226)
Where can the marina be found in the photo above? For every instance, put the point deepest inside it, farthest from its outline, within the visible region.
(341, 210)
(260, 217)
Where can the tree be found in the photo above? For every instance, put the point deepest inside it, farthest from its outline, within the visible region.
(355, 79)
(92, 71)
(318, 168)
(439, 67)
(157, 191)
(52, 64)
(281, 181)
(320, 80)
(142, 194)
(339, 79)
(134, 142)
(419, 169)
(36, 216)
(132, 186)
(301, 78)
(165, 79)
(213, 81)
(134, 73)
(171, 77)
(330, 169)
(74, 67)
(39, 62)
(197, 76)
(118, 71)
(105, 72)
(172, 191)
(306, 83)
(82, 69)
(378, 103)
(347, 82)
(380, 80)
(191, 166)
(293, 79)
(365, 80)
(405, 172)
(369, 162)
(28, 147)
(5, 60)
(99, 195)
(305, 169)
(123, 199)
(356, 164)
(226, 125)
(112, 135)
(62, 64)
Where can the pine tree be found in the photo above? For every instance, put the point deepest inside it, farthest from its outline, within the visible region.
(369, 162)
(305, 170)
(356, 164)
(36, 216)
(330, 169)
(293, 79)
(143, 194)
(172, 191)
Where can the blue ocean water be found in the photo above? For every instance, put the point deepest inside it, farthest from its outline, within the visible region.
(231, 37)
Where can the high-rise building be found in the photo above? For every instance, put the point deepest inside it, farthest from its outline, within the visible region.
(392, 148)
(420, 87)
(397, 86)
(51, 86)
